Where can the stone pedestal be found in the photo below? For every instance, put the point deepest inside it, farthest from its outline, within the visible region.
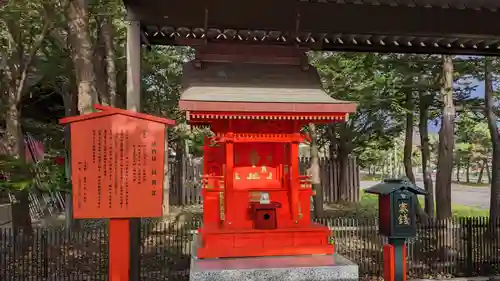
(289, 268)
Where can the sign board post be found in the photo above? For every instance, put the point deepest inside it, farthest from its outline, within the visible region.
(117, 173)
(397, 221)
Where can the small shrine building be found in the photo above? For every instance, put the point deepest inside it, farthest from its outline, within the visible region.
(256, 202)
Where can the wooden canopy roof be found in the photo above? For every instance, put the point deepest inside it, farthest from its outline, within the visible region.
(257, 88)
(427, 26)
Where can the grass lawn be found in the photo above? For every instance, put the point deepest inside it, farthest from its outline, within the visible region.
(368, 207)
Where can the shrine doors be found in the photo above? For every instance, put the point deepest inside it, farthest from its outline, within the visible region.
(258, 166)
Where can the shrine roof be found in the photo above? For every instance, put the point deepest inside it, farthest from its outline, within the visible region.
(415, 26)
(246, 87)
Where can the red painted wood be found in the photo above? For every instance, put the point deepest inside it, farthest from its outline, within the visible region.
(256, 242)
(295, 183)
(264, 252)
(317, 116)
(276, 107)
(404, 262)
(119, 249)
(110, 176)
(236, 174)
(389, 266)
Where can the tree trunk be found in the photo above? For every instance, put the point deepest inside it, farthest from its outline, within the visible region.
(467, 171)
(344, 149)
(81, 46)
(315, 176)
(13, 132)
(14, 138)
(425, 153)
(481, 170)
(70, 94)
(107, 34)
(333, 141)
(408, 149)
(70, 100)
(446, 142)
(21, 219)
(81, 55)
(495, 141)
(15, 72)
(488, 173)
(99, 61)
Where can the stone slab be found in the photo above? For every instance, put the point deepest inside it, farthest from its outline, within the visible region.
(288, 268)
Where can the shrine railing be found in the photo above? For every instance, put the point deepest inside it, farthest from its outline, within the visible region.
(213, 183)
(305, 181)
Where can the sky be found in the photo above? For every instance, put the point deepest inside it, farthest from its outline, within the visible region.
(478, 92)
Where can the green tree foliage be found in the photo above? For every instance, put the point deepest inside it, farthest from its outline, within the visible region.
(38, 56)
(16, 174)
(357, 77)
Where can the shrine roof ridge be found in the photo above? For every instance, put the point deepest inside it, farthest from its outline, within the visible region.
(108, 111)
(253, 83)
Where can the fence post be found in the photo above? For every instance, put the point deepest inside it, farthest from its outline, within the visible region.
(45, 252)
(469, 242)
(180, 180)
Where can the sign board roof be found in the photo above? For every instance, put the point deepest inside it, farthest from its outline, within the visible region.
(108, 111)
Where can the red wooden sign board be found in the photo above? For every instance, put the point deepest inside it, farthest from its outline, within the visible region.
(117, 164)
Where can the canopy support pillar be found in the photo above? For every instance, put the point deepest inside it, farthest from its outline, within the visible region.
(133, 102)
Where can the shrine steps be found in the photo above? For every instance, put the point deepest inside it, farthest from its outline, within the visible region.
(226, 243)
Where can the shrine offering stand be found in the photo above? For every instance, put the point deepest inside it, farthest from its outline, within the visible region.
(397, 221)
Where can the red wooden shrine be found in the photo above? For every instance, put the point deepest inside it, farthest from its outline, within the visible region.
(256, 202)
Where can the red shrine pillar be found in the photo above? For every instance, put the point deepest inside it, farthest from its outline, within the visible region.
(294, 180)
(229, 180)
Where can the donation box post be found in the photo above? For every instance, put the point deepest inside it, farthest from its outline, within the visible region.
(397, 221)
(117, 171)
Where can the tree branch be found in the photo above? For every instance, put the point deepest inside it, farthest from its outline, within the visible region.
(28, 60)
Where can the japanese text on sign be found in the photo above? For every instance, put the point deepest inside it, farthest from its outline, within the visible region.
(117, 169)
(403, 213)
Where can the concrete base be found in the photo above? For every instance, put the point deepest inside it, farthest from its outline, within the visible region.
(289, 268)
